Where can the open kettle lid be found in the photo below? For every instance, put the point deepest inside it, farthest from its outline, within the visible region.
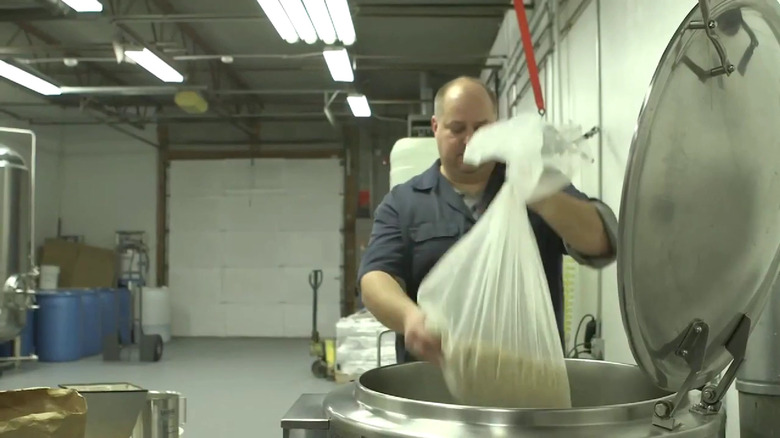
(699, 249)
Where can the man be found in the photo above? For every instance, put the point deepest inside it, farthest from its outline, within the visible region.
(418, 221)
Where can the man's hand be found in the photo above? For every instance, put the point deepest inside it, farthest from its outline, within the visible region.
(421, 341)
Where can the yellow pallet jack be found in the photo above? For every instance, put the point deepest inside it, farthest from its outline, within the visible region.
(323, 349)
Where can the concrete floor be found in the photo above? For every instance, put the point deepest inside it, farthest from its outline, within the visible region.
(234, 387)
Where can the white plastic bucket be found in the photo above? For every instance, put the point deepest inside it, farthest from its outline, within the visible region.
(50, 277)
(157, 312)
(410, 157)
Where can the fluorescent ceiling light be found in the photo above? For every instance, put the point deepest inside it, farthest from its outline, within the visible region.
(154, 65)
(318, 12)
(358, 103)
(275, 13)
(342, 21)
(300, 20)
(84, 5)
(28, 80)
(339, 65)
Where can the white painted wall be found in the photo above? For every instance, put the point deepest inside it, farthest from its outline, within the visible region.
(99, 181)
(629, 56)
(244, 236)
(108, 182)
(633, 37)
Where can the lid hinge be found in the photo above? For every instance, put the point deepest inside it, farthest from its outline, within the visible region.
(712, 395)
(693, 349)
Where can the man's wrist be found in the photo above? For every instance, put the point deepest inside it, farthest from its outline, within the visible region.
(408, 316)
(545, 207)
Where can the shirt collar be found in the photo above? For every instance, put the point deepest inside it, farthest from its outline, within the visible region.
(430, 178)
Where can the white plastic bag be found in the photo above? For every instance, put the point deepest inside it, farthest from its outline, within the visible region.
(488, 295)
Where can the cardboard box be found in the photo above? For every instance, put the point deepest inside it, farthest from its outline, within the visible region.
(81, 266)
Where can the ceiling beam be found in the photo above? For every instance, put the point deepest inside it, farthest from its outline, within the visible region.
(311, 60)
(472, 10)
(200, 154)
(51, 41)
(53, 7)
(29, 14)
(216, 106)
(409, 11)
(13, 115)
(267, 141)
(282, 102)
(86, 104)
(201, 43)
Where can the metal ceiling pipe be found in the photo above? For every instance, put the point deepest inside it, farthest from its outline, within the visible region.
(130, 90)
(426, 95)
(452, 60)
(274, 91)
(61, 59)
(476, 10)
(185, 18)
(264, 115)
(383, 102)
(481, 57)
(298, 67)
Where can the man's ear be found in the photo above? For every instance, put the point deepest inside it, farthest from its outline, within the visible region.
(434, 124)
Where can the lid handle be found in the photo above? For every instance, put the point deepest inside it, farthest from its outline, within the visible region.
(708, 25)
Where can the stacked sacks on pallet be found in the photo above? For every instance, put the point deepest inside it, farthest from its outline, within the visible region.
(356, 344)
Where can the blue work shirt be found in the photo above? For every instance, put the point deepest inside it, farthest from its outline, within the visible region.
(419, 220)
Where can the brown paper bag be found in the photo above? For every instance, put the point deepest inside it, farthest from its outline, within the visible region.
(42, 413)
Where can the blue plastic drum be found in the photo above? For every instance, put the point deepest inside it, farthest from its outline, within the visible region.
(109, 313)
(93, 330)
(125, 315)
(58, 326)
(27, 337)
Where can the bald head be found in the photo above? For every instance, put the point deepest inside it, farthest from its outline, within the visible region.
(461, 107)
(460, 86)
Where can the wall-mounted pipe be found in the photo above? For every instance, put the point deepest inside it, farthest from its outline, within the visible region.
(600, 67)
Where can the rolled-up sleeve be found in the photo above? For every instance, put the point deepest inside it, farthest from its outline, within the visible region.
(610, 222)
(385, 251)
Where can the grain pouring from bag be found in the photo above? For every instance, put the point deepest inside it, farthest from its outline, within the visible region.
(506, 379)
(488, 295)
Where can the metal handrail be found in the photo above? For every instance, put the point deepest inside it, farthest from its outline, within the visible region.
(379, 347)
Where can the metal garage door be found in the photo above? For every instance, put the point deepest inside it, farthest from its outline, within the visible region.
(244, 234)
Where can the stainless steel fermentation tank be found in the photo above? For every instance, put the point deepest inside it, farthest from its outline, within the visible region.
(698, 259)
(758, 381)
(18, 270)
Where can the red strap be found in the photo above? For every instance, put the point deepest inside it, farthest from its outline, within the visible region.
(528, 46)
